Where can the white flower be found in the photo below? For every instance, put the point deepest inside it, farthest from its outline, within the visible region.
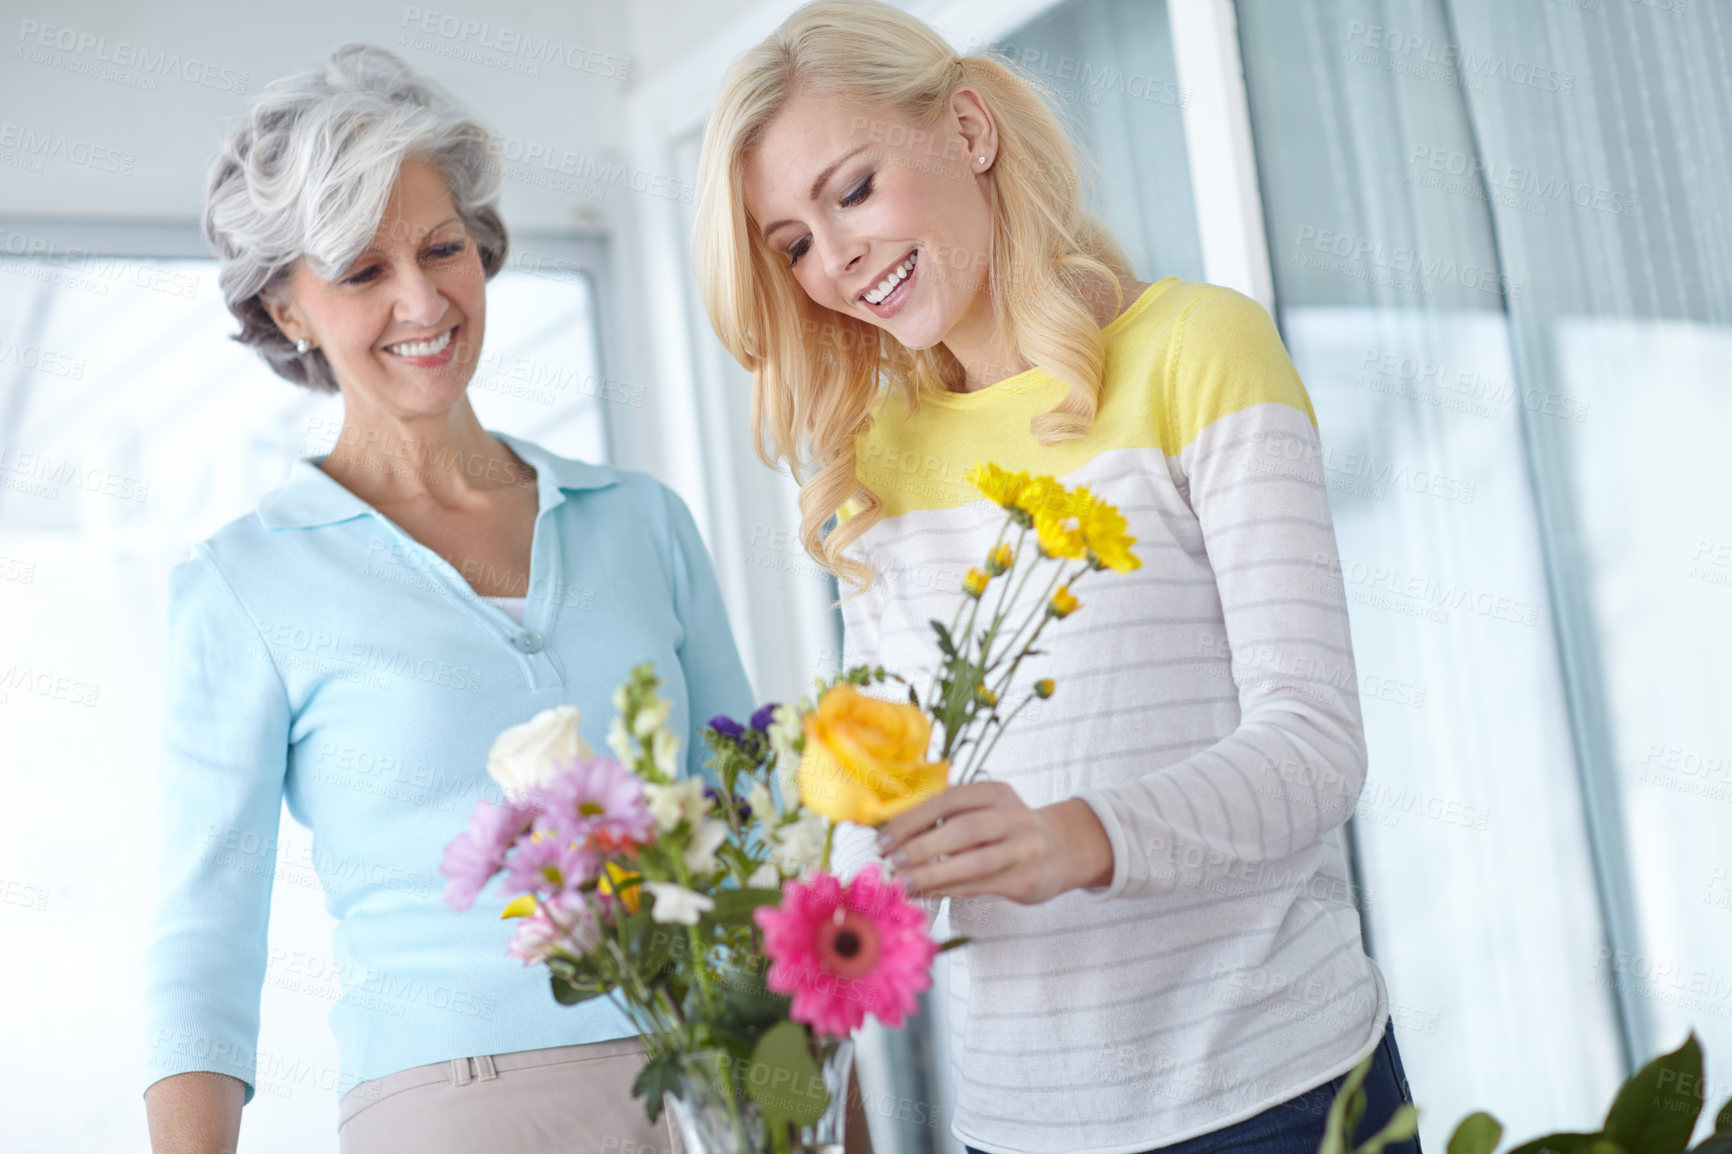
(528, 754)
(619, 740)
(758, 797)
(785, 730)
(671, 802)
(676, 904)
(665, 751)
(799, 846)
(707, 837)
(765, 877)
(652, 716)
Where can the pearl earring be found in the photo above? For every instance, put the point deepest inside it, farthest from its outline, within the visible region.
(980, 159)
(302, 345)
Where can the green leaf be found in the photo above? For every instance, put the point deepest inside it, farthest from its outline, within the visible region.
(953, 943)
(1345, 1112)
(1657, 1108)
(1561, 1143)
(945, 645)
(734, 907)
(1478, 1133)
(785, 1080)
(1718, 1144)
(659, 1077)
(572, 983)
(1402, 1125)
(1723, 1120)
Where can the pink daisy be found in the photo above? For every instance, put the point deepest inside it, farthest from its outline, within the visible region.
(845, 951)
(599, 802)
(545, 863)
(475, 855)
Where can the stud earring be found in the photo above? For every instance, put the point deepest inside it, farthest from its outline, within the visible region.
(302, 345)
(980, 159)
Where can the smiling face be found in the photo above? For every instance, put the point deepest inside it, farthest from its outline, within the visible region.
(880, 218)
(402, 326)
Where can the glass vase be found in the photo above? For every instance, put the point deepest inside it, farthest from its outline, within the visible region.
(717, 1114)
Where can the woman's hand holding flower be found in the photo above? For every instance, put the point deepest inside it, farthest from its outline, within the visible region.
(982, 839)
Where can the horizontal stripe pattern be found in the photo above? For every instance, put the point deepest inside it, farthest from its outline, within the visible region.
(1206, 709)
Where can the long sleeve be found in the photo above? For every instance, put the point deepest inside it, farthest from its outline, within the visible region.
(1293, 768)
(716, 681)
(222, 760)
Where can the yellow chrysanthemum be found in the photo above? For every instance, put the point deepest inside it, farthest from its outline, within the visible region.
(1060, 520)
(1000, 560)
(975, 583)
(1063, 602)
(987, 696)
(1043, 688)
(1002, 488)
(1103, 528)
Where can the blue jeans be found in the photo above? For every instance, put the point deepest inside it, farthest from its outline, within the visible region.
(1296, 1126)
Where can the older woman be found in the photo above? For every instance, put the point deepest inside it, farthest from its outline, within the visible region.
(354, 645)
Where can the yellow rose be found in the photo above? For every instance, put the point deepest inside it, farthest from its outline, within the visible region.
(865, 759)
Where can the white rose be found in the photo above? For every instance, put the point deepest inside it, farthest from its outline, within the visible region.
(676, 904)
(707, 837)
(528, 754)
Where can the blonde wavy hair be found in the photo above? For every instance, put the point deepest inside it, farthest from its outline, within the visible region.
(816, 373)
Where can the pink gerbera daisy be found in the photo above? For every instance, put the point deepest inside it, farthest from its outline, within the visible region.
(599, 802)
(845, 951)
(475, 855)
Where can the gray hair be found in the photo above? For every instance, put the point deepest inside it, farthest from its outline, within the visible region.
(308, 170)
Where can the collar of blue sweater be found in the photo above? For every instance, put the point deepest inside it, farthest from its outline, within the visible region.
(312, 497)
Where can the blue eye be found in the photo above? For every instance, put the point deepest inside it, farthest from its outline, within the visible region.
(451, 249)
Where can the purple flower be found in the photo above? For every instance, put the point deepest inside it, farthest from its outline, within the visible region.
(598, 803)
(475, 855)
(727, 727)
(765, 714)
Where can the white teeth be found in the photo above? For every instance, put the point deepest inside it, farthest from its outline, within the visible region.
(884, 287)
(422, 348)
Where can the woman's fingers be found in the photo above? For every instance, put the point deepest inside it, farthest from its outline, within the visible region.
(961, 874)
(958, 833)
(924, 816)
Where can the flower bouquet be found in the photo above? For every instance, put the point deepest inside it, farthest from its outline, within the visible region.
(707, 908)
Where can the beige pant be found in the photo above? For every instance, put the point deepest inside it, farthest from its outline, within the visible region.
(562, 1100)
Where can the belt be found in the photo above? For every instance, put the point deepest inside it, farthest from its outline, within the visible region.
(481, 1068)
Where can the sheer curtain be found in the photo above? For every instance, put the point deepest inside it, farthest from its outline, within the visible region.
(1499, 237)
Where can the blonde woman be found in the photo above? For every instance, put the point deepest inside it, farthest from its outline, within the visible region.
(1166, 953)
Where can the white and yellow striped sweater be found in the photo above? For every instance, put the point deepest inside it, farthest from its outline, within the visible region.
(1207, 711)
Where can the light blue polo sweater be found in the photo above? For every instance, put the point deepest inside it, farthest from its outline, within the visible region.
(319, 655)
